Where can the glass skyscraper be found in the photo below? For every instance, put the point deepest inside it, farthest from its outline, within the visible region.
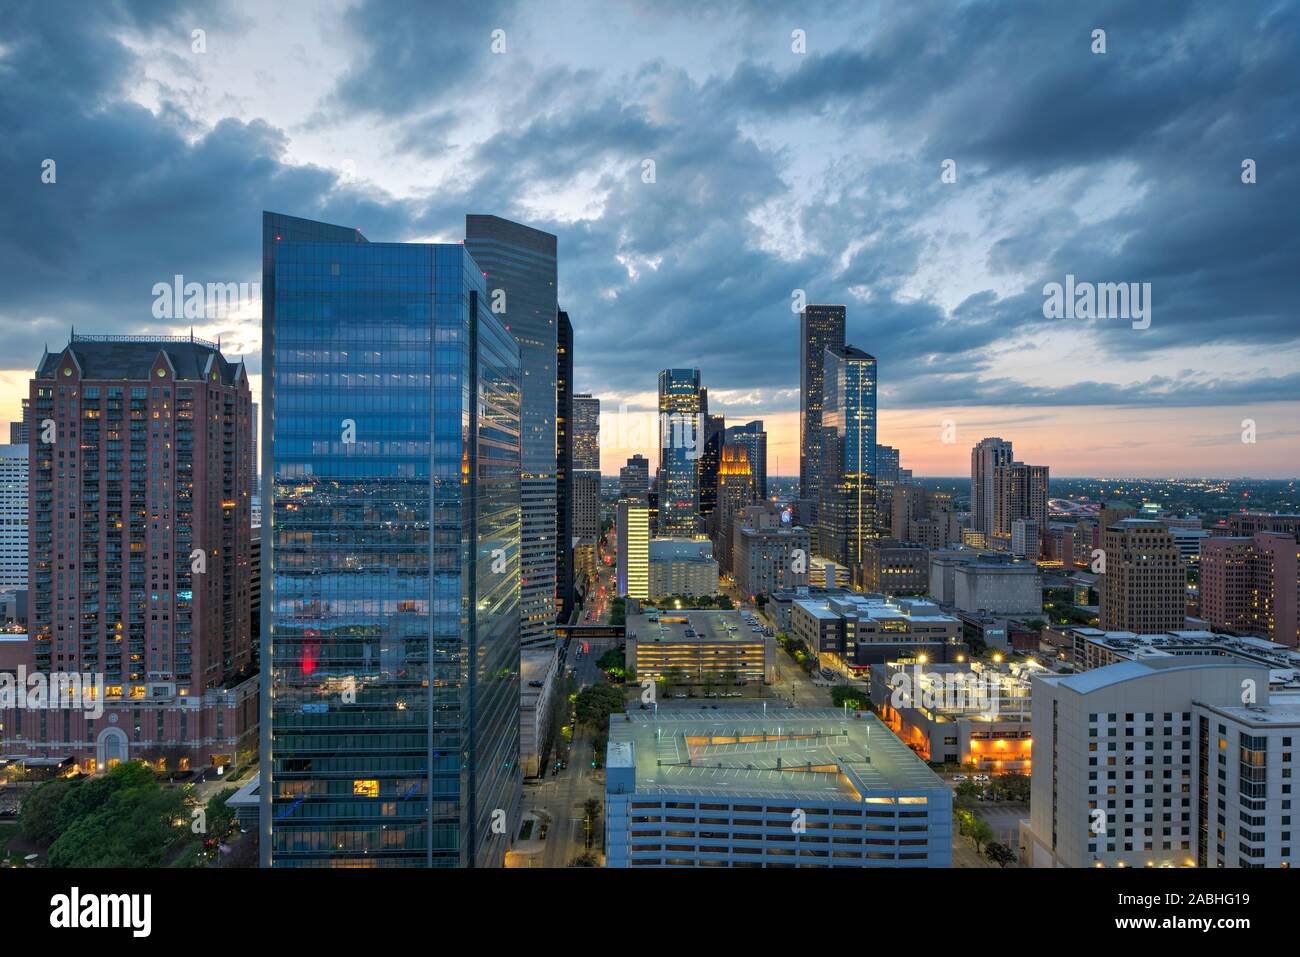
(391, 539)
(754, 439)
(681, 444)
(847, 511)
(519, 272)
(820, 328)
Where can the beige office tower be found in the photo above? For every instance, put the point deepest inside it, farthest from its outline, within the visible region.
(1143, 585)
(633, 534)
(984, 459)
(1019, 492)
(923, 516)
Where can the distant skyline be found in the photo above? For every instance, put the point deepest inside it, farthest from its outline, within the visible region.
(776, 174)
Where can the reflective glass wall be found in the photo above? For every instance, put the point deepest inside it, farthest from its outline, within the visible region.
(391, 556)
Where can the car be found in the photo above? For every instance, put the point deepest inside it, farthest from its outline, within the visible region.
(959, 777)
(982, 778)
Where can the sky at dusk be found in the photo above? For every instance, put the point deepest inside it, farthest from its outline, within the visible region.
(775, 172)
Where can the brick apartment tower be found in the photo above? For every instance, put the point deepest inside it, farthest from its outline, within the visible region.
(151, 459)
(1249, 585)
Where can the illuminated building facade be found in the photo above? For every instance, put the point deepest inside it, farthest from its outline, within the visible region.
(735, 491)
(972, 714)
(1249, 585)
(519, 267)
(681, 444)
(141, 473)
(391, 466)
(633, 534)
(1143, 586)
(847, 512)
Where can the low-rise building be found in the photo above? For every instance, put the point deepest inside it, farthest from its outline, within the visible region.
(538, 682)
(767, 559)
(1093, 648)
(975, 582)
(855, 631)
(682, 566)
(795, 788)
(824, 573)
(699, 647)
(895, 567)
(967, 713)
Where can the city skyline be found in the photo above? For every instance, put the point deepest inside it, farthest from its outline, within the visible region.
(942, 280)
(859, 434)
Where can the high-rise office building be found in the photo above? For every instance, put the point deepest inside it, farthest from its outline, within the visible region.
(847, 512)
(1249, 585)
(633, 534)
(519, 272)
(735, 491)
(585, 434)
(1248, 523)
(754, 439)
(1019, 492)
(634, 478)
(984, 461)
(391, 464)
(564, 485)
(20, 431)
(1026, 538)
(820, 328)
(1143, 588)
(714, 435)
(139, 552)
(887, 464)
(13, 517)
(681, 441)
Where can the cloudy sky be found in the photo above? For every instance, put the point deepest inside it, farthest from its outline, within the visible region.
(775, 171)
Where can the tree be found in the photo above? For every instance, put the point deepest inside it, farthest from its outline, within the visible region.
(1011, 787)
(134, 828)
(979, 832)
(857, 698)
(41, 812)
(590, 817)
(968, 791)
(220, 818)
(596, 703)
(611, 660)
(585, 860)
(1000, 854)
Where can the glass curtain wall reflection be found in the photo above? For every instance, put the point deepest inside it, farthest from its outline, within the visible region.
(391, 457)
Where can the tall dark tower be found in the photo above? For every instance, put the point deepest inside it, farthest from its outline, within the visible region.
(820, 328)
(564, 596)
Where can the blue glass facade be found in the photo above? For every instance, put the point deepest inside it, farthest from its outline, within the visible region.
(390, 555)
(847, 511)
(681, 446)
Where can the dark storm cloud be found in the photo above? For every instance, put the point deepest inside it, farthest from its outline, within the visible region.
(134, 202)
(414, 54)
(1133, 159)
